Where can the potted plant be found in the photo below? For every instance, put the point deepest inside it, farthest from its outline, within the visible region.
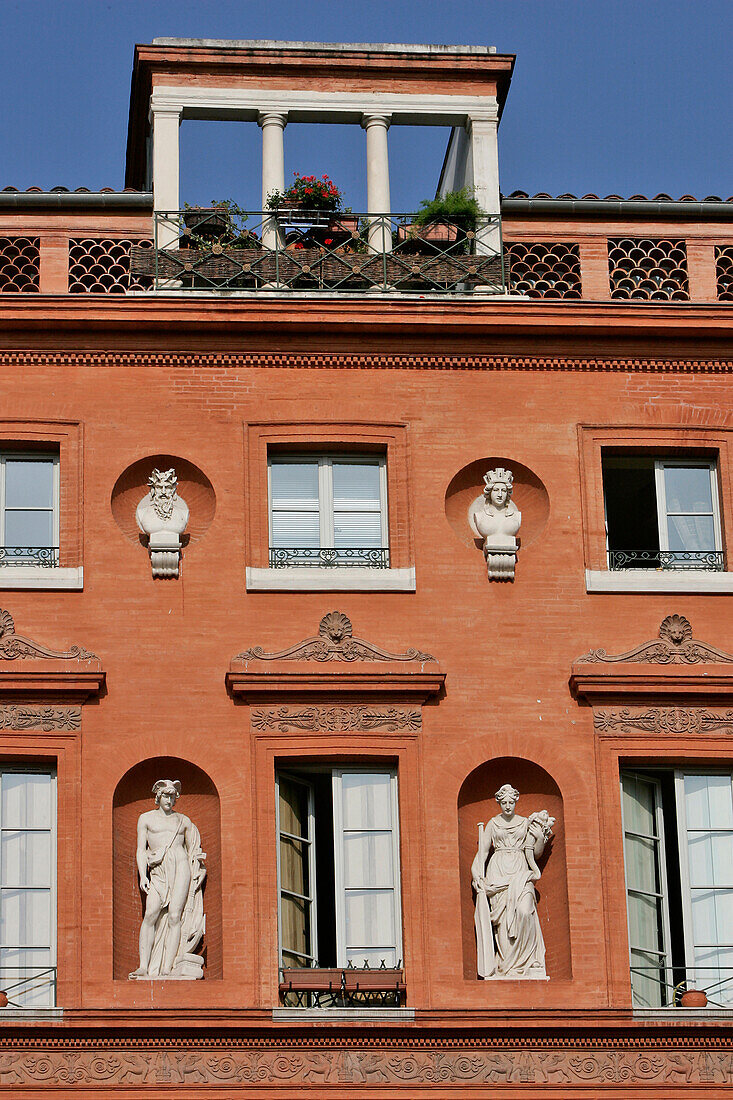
(693, 998)
(445, 220)
(210, 223)
(308, 200)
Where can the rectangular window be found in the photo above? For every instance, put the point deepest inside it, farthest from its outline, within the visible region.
(661, 513)
(338, 868)
(678, 853)
(28, 887)
(29, 509)
(328, 510)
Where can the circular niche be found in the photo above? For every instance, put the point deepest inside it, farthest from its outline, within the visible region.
(193, 485)
(466, 489)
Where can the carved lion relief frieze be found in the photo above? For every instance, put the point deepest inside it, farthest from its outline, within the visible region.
(334, 642)
(675, 646)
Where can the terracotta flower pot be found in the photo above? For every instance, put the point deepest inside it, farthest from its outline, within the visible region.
(694, 998)
(3, 999)
(208, 221)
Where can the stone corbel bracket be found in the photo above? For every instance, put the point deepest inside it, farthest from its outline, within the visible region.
(29, 668)
(334, 661)
(675, 664)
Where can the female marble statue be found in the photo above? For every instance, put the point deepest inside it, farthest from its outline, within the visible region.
(508, 934)
(170, 865)
(496, 519)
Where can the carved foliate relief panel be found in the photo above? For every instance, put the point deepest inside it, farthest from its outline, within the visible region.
(14, 646)
(679, 721)
(334, 642)
(31, 716)
(285, 1066)
(336, 719)
(675, 646)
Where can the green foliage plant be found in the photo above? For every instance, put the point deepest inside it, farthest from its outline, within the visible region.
(459, 208)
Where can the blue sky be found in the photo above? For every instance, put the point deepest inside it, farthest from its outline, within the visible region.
(609, 96)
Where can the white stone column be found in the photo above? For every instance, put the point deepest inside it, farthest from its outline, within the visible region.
(273, 125)
(165, 126)
(484, 176)
(378, 203)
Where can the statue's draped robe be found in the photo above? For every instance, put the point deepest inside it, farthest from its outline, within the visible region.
(162, 871)
(510, 943)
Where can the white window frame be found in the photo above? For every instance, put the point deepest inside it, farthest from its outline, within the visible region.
(339, 878)
(660, 465)
(682, 836)
(31, 456)
(312, 856)
(325, 489)
(31, 769)
(665, 954)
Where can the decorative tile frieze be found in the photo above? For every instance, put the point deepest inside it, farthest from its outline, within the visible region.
(285, 1065)
(663, 720)
(29, 716)
(335, 719)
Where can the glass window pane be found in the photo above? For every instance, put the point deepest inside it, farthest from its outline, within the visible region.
(294, 481)
(368, 859)
(369, 918)
(296, 529)
(711, 859)
(29, 529)
(714, 972)
(354, 482)
(28, 484)
(27, 977)
(26, 800)
(648, 980)
(294, 865)
(25, 859)
(293, 807)
(294, 925)
(638, 802)
(687, 489)
(367, 802)
(373, 959)
(642, 866)
(357, 529)
(25, 917)
(712, 917)
(691, 532)
(645, 923)
(708, 801)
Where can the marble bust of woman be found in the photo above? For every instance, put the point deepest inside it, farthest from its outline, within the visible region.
(508, 933)
(496, 519)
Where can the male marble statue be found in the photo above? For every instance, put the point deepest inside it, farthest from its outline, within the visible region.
(170, 865)
(496, 519)
(162, 515)
(508, 933)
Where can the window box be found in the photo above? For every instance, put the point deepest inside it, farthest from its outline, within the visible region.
(351, 987)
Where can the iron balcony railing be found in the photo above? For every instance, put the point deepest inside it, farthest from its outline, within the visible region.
(47, 556)
(710, 560)
(343, 987)
(370, 557)
(28, 986)
(320, 251)
(664, 985)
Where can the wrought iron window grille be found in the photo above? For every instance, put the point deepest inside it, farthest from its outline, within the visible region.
(46, 556)
(282, 557)
(708, 560)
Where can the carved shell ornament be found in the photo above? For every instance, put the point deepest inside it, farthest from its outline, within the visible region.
(335, 642)
(675, 646)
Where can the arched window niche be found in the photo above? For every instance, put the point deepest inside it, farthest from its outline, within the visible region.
(538, 791)
(200, 802)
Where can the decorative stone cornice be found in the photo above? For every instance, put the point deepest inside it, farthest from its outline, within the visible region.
(675, 646)
(304, 360)
(334, 642)
(28, 667)
(334, 660)
(673, 663)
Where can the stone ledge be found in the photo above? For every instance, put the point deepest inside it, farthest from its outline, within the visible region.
(652, 580)
(41, 577)
(330, 578)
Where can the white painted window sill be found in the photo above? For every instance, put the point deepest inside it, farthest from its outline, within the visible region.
(41, 577)
(355, 1014)
(330, 578)
(37, 1014)
(657, 580)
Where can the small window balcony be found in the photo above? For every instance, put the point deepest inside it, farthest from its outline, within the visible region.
(702, 560)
